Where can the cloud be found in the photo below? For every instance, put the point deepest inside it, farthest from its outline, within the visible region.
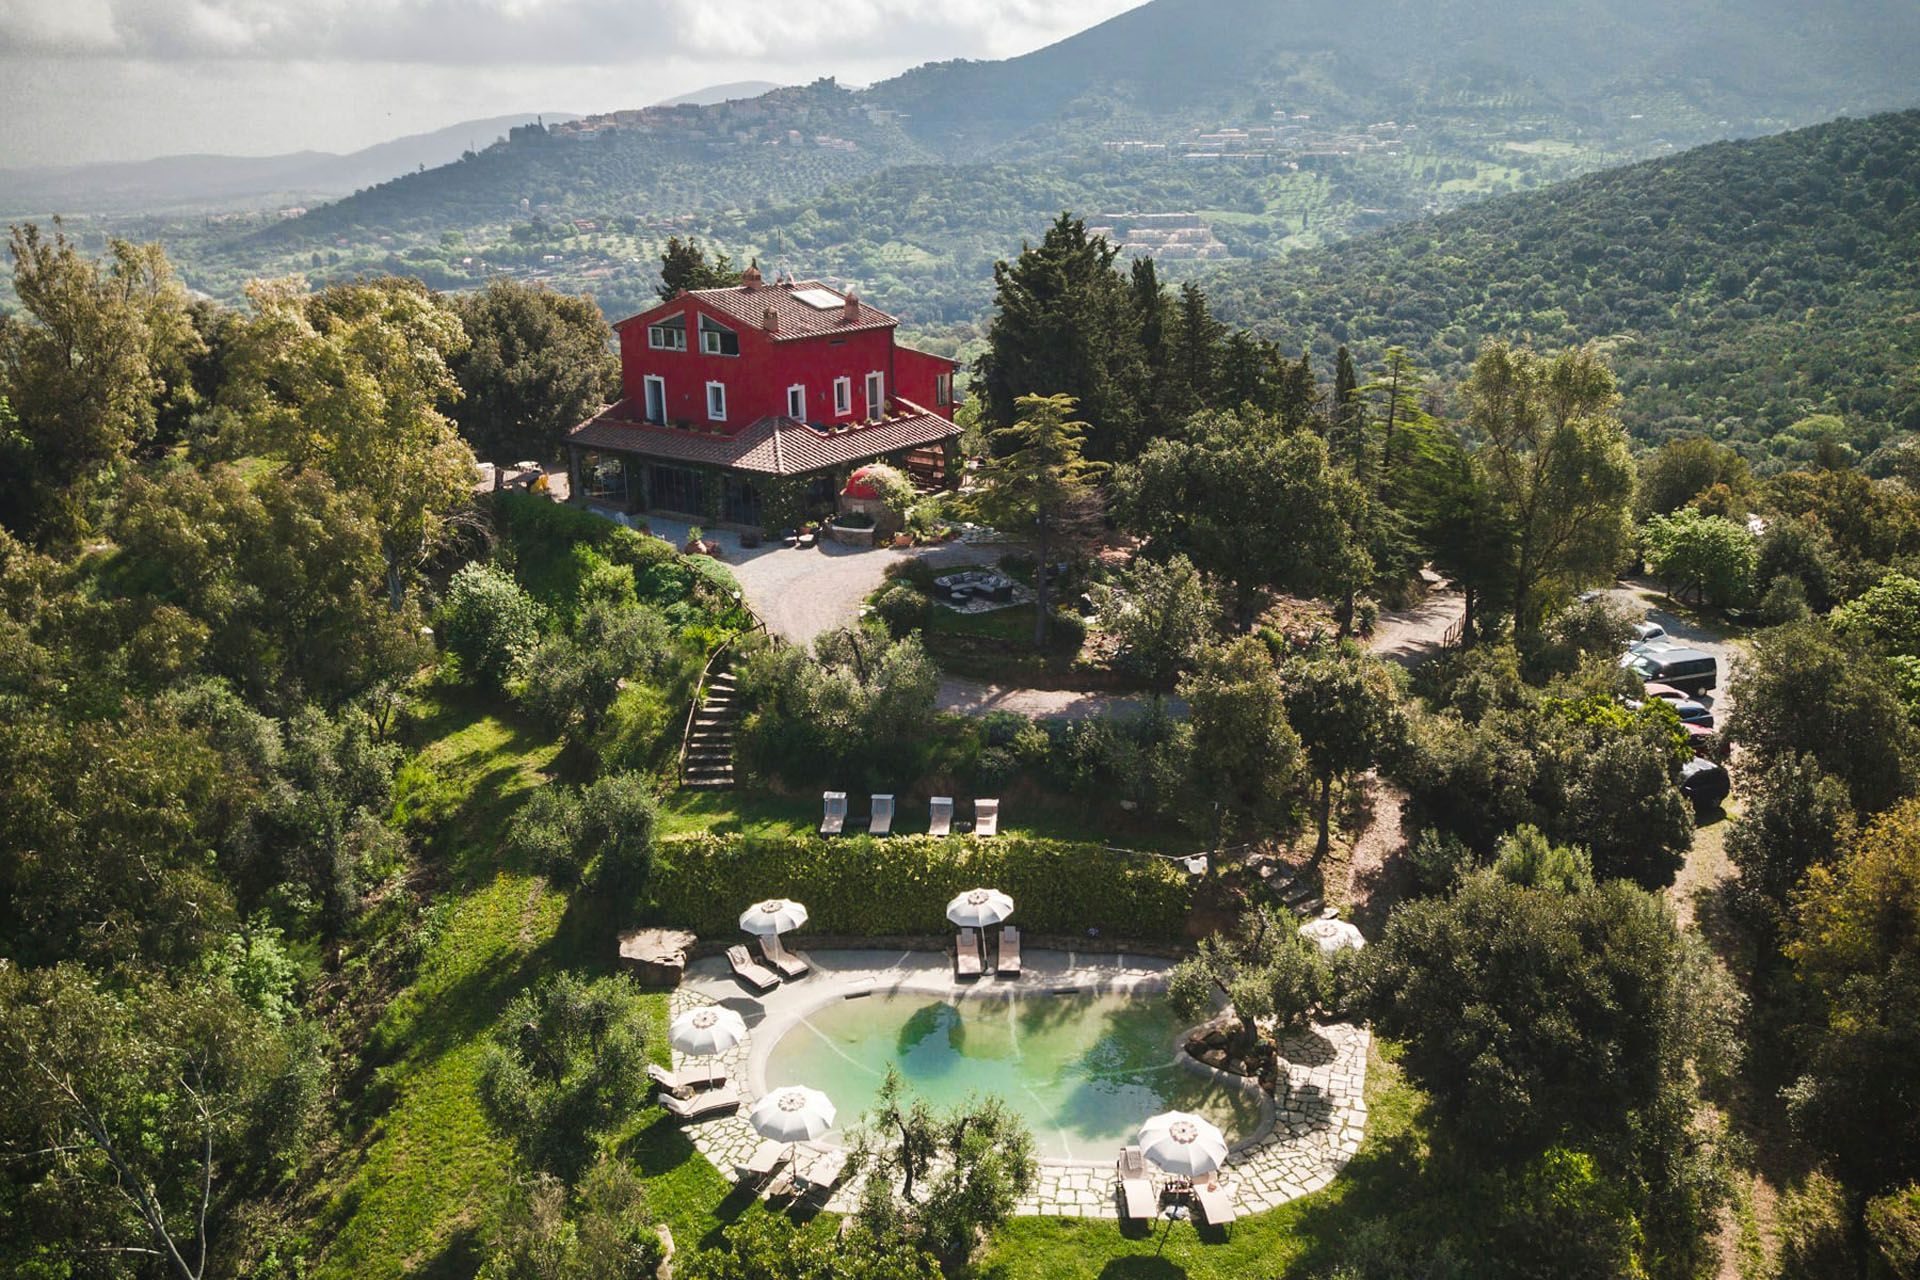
(521, 32)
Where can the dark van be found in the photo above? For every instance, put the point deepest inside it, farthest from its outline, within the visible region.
(1686, 669)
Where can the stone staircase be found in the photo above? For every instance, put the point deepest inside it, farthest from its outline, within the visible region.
(708, 765)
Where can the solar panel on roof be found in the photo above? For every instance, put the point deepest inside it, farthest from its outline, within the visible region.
(819, 299)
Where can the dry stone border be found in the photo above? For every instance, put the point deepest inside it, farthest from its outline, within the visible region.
(1318, 1126)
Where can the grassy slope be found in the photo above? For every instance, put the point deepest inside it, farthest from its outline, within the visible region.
(423, 1177)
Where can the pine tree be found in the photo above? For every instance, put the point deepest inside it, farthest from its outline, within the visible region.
(1039, 485)
(1346, 416)
(685, 265)
(1067, 325)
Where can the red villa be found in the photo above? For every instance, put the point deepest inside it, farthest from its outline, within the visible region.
(728, 393)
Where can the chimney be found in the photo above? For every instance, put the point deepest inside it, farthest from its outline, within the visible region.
(771, 321)
(851, 313)
(750, 278)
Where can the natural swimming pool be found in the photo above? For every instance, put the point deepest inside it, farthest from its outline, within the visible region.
(1083, 1070)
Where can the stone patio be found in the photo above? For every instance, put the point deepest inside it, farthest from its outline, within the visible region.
(1315, 1128)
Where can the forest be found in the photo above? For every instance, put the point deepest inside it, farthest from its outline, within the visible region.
(1737, 287)
(327, 775)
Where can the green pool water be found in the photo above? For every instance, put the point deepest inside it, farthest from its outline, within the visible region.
(1084, 1070)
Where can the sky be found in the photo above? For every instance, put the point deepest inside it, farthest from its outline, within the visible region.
(84, 80)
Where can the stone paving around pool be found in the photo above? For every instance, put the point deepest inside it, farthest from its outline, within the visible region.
(1317, 1126)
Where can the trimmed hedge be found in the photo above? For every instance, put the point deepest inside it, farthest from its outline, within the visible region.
(857, 886)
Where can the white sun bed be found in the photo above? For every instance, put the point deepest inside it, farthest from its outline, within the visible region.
(986, 817)
(833, 818)
(940, 822)
(968, 958)
(882, 821)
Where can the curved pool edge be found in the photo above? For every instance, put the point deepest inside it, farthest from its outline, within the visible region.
(1314, 1130)
(775, 1027)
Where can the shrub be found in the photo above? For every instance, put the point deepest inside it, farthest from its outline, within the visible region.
(568, 1063)
(860, 887)
(902, 607)
(916, 571)
(544, 833)
(489, 623)
(617, 824)
(894, 488)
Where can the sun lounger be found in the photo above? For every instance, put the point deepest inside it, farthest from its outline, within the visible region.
(1214, 1203)
(833, 819)
(767, 1157)
(750, 971)
(777, 955)
(986, 817)
(1137, 1198)
(967, 957)
(941, 821)
(682, 1086)
(882, 823)
(1009, 951)
(706, 1102)
(823, 1173)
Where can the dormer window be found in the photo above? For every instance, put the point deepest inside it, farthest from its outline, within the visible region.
(716, 339)
(669, 334)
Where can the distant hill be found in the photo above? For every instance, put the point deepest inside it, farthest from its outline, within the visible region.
(224, 182)
(1682, 69)
(731, 91)
(1737, 287)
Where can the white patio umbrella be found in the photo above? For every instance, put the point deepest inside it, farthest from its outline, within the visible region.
(792, 1115)
(979, 908)
(1333, 933)
(706, 1031)
(1182, 1144)
(774, 916)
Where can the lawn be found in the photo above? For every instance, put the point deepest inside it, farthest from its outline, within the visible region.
(1308, 1235)
(421, 1178)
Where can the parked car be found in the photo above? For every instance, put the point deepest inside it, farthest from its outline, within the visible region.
(1689, 710)
(1687, 670)
(1645, 631)
(1705, 784)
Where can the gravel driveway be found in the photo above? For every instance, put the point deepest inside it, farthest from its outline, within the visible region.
(1637, 599)
(801, 593)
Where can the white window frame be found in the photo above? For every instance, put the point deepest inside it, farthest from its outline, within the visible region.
(660, 337)
(721, 416)
(711, 328)
(842, 396)
(943, 389)
(876, 396)
(797, 394)
(646, 401)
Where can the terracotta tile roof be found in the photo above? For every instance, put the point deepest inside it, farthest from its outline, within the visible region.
(771, 446)
(793, 318)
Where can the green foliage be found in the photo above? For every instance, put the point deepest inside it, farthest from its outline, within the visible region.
(902, 607)
(859, 712)
(1857, 944)
(685, 266)
(960, 1172)
(1555, 464)
(131, 1116)
(1691, 471)
(489, 623)
(101, 353)
(573, 679)
(1749, 280)
(1268, 971)
(545, 833)
(610, 1233)
(1250, 504)
(1527, 858)
(1710, 558)
(568, 1064)
(1346, 708)
(1806, 692)
(617, 822)
(1578, 635)
(1038, 486)
(860, 887)
(537, 363)
(770, 1247)
(1247, 756)
(1539, 1018)
(1793, 817)
(1886, 617)
(1893, 1224)
(1162, 615)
